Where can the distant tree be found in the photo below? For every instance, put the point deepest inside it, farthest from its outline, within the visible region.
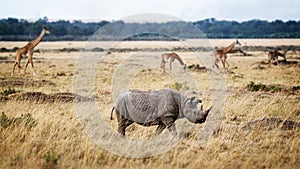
(20, 29)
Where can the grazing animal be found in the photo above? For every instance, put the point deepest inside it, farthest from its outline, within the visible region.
(236, 51)
(221, 54)
(160, 107)
(273, 55)
(170, 57)
(29, 48)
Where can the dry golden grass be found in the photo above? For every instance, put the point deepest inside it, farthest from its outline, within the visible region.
(59, 141)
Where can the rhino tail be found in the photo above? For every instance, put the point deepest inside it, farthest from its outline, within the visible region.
(111, 113)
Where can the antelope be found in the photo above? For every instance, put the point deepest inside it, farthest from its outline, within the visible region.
(221, 54)
(170, 57)
(273, 55)
(29, 48)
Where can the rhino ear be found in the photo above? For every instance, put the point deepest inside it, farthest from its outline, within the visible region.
(192, 99)
(198, 101)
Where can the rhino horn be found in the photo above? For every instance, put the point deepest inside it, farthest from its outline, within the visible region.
(207, 111)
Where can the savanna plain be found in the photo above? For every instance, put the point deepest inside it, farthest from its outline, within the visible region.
(260, 119)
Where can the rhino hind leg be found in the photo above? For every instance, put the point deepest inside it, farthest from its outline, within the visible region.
(123, 123)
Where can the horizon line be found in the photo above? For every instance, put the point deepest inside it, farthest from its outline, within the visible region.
(115, 20)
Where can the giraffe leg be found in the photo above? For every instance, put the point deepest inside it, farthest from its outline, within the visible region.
(277, 61)
(215, 61)
(17, 62)
(269, 60)
(31, 61)
(223, 63)
(27, 62)
(170, 65)
(227, 63)
(162, 66)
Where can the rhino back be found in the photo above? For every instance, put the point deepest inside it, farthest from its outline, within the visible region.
(145, 107)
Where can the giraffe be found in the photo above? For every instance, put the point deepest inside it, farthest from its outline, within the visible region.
(170, 57)
(237, 50)
(28, 49)
(221, 54)
(273, 55)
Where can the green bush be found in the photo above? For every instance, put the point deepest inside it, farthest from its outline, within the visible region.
(51, 156)
(4, 50)
(25, 119)
(70, 50)
(262, 87)
(8, 91)
(295, 88)
(97, 49)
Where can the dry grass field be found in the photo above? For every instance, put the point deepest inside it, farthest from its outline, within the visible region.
(260, 125)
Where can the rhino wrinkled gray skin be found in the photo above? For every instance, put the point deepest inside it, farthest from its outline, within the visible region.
(161, 107)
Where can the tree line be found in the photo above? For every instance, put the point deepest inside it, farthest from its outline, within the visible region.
(12, 29)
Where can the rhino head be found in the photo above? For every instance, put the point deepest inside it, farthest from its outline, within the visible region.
(192, 113)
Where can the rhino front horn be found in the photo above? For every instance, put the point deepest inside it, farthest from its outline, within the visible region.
(208, 110)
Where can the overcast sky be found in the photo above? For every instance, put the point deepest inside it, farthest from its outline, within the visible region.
(188, 10)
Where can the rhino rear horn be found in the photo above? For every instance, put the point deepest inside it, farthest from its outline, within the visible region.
(192, 99)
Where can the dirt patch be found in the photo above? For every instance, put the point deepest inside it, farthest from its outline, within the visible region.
(3, 98)
(272, 123)
(270, 48)
(24, 83)
(261, 64)
(39, 97)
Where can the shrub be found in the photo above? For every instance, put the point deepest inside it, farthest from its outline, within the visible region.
(295, 88)
(4, 50)
(25, 119)
(15, 49)
(70, 50)
(262, 87)
(51, 156)
(97, 49)
(61, 74)
(8, 91)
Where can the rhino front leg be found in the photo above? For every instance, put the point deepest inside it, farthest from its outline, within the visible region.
(172, 129)
(169, 122)
(160, 128)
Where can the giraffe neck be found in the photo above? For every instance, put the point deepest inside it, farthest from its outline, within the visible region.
(229, 48)
(37, 40)
(179, 59)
